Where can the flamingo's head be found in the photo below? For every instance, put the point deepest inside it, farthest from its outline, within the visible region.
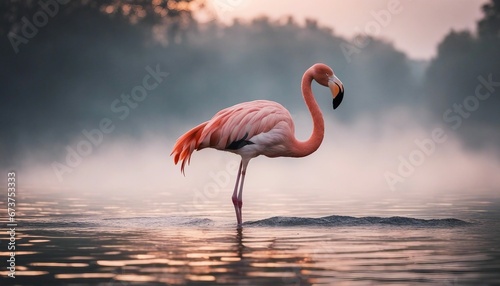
(325, 76)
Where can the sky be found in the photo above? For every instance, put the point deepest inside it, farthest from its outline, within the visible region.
(415, 27)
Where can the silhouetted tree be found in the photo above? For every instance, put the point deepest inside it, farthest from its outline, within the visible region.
(176, 13)
(489, 26)
(454, 75)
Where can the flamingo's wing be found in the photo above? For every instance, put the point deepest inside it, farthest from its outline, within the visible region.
(233, 127)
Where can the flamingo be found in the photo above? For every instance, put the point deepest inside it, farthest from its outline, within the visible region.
(260, 127)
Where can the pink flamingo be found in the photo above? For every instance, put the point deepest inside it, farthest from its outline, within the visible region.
(260, 127)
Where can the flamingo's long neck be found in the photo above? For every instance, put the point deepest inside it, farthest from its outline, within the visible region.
(304, 148)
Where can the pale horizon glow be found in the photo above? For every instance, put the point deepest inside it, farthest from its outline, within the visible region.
(416, 29)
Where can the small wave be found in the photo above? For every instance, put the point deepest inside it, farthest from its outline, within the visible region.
(336, 220)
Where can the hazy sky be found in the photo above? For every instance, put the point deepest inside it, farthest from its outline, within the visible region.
(415, 27)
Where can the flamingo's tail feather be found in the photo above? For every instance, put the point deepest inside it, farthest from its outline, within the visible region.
(186, 144)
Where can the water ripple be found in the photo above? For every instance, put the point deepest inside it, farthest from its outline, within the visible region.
(335, 220)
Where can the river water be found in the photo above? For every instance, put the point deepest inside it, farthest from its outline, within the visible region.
(79, 238)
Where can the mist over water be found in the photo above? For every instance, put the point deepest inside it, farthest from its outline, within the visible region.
(354, 158)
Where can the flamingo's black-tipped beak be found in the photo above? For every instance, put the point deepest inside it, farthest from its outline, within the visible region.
(337, 100)
(337, 89)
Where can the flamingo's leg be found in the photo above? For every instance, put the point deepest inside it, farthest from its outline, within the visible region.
(244, 164)
(237, 209)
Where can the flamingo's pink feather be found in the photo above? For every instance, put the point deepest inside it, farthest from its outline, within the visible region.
(229, 125)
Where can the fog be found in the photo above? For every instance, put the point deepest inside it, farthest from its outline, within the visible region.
(69, 122)
(354, 159)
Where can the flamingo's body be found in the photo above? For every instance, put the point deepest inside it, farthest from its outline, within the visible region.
(260, 127)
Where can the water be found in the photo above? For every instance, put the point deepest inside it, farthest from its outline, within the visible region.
(68, 238)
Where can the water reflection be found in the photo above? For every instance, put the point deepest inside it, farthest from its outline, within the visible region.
(183, 256)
